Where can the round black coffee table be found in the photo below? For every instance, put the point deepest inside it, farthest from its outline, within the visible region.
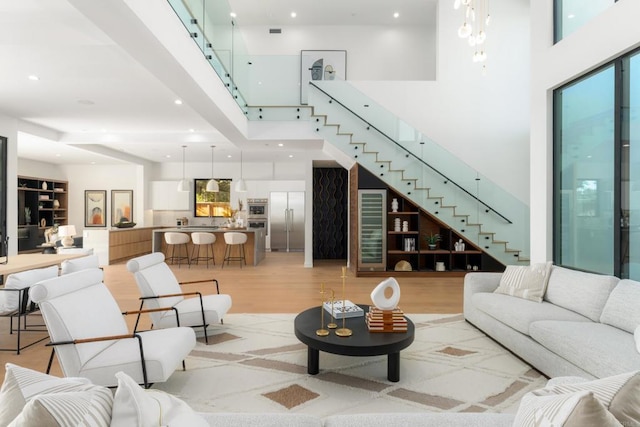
(361, 343)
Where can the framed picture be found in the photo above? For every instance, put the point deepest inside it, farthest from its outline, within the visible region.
(321, 65)
(121, 206)
(95, 208)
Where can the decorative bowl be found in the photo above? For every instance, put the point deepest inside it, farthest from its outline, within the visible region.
(124, 224)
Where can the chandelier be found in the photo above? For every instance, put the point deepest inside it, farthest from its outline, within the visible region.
(474, 27)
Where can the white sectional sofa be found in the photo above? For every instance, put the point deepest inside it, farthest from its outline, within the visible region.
(584, 326)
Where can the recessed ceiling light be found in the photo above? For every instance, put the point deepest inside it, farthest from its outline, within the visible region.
(291, 156)
(396, 15)
(58, 155)
(168, 156)
(178, 102)
(293, 14)
(33, 77)
(93, 163)
(192, 130)
(228, 156)
(571, 16)
(233, 14)
(281, 145)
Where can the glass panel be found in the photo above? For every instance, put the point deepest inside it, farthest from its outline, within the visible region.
(573, 14)
(630, 170)
(444, 185)
(585, 173)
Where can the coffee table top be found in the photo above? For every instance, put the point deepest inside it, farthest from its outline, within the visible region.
(361, 343)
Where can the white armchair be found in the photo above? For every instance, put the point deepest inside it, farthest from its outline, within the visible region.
(77, 264)
(160, 288)
(15, 303)
(92, 340)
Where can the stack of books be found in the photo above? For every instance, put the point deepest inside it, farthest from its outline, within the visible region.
(350, 309)
(386, 320)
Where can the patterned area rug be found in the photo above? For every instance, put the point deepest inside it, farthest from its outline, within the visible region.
(256, 364)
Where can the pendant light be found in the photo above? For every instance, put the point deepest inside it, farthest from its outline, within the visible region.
(212, 184)
(241, 186)
(184, 185)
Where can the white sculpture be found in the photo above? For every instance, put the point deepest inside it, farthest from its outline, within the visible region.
(380, 300)
(394, 205)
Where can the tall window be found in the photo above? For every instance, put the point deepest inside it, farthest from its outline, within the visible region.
(630, 170)
(573, 14)
(597, 170)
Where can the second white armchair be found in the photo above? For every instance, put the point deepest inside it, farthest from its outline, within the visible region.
(160, 289)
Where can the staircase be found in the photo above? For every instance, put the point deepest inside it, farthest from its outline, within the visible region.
(460, 197)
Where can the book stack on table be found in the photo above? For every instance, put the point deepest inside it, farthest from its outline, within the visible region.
(386, 320)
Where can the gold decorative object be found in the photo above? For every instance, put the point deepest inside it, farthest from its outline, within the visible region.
(344, 331)
(322, 332)
(332, 324)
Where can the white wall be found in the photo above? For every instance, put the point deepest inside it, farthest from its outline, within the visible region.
(96, 177)
(37, 169)
(606, 37)
(481, 119)
(9, 129)
(394, 52)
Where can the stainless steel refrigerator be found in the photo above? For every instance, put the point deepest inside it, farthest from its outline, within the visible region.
(286, 220)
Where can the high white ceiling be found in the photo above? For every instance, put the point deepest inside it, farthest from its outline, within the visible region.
(92, 93)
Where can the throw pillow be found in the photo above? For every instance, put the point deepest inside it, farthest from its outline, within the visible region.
(87, 408)
(620, 394)
(22, 385)
(567, 410)
(134, 406)
(528, 282)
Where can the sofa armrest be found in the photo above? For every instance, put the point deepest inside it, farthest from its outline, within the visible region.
(475, 283)
(565, 380)
(481, 282)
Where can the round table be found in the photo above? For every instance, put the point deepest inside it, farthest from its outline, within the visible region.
(360, 343)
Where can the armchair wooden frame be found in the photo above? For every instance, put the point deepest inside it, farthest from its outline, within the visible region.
(24, 309)
(204, 325)
(134, 334)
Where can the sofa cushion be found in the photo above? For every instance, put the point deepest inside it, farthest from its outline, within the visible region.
(590, 346)
(261, 419)
(519, 313)
(22, 385)
(636, 337)
(621, 308)
(134, 406)
(528, 282)
(584, 293)
(572, 409)
(413, 419)
(620, 394)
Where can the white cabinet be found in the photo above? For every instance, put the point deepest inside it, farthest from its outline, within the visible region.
(166, 197)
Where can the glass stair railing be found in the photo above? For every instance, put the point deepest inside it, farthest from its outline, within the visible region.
(408, 161)
(421, 170)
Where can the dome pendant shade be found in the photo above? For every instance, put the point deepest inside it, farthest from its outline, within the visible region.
(184, 184)
(241, 186)
(212, 186)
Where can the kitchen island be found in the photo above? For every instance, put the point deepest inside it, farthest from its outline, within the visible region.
(254, 248)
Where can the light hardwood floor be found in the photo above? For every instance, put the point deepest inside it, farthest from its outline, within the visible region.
(279, 284)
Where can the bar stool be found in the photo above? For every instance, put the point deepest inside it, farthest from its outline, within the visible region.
(174, 239)
(203, 239)
(234, 239)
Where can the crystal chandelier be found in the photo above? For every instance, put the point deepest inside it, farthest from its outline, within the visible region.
(474, 27)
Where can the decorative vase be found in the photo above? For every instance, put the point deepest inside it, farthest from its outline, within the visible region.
(432, 246)
(56, 204)
(44, 185)
(394, 205)
(440, 266)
